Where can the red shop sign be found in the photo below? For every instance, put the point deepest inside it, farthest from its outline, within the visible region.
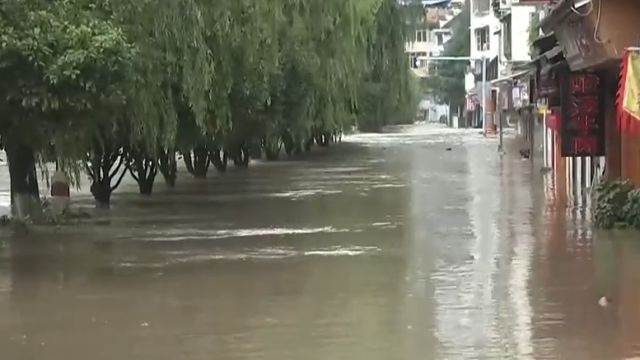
(582, 125)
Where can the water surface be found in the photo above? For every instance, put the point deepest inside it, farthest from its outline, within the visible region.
(387, 246)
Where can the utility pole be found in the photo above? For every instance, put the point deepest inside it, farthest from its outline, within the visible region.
(484, 94)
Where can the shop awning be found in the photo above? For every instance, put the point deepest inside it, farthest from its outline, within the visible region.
(434, 2)
(509, 78)
(545, 42)
(548, 58)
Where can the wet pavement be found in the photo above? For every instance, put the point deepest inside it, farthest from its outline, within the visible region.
(387, 246)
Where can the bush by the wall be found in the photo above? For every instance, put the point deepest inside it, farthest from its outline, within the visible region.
(610, 200)
(632, 209)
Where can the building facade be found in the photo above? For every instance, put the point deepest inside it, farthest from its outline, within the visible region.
(576, 89)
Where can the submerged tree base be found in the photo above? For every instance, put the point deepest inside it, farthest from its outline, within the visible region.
(219, 159)
(168, 167)
(26, 207)
(101, 191)
(143, 169)
(197, 161)
(25, 195)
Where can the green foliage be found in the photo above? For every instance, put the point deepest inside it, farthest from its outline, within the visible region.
(609, 201)
(534, 29)
(631, 209)
(60, 66)
(160, 76)
(447, 85)
(388, 92)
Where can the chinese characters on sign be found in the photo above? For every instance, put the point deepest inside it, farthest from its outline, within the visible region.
(583, 120)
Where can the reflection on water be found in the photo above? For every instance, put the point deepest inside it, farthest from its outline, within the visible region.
(385, 247)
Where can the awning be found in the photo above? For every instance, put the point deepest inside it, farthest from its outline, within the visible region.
(545, 42)
(547, 56)
(434, 2)
(550, 67)
(509, 78)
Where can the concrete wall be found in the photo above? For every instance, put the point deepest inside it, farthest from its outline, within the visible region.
(520, 21)
(619, 23)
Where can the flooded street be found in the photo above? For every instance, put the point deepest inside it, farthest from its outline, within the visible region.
(386, 246)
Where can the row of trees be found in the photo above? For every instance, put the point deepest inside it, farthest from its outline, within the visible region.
(104, 87)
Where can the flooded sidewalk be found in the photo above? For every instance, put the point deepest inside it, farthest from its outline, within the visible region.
(422, 243)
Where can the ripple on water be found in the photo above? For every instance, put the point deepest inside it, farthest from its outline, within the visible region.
(297, 194)
(264, 254)
(206, 234)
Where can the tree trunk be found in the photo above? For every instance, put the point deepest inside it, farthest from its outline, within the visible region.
(324, 139)
(198, 165)
(25, 196)
(308, 144)
(101, 191)
(146, 186)
(289, 143)
(219, 159)
(168, 167)
(104, 165)
(242, 157)
(144, 171)
(272, 148)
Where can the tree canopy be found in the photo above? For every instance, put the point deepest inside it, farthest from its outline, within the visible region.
(108, 86)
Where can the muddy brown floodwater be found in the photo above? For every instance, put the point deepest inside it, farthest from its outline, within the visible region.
(384, 247)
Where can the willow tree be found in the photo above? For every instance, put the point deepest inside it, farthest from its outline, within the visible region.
(61, 65)
(171, 83)
(389, 92)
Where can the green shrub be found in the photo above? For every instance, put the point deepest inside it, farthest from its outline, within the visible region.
(632, 209)
(610, 203)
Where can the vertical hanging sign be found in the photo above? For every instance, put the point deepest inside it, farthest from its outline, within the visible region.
(582, 122)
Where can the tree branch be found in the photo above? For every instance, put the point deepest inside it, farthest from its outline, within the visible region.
(111, 175)
(88, 169)
(119, 180)
(133, 175)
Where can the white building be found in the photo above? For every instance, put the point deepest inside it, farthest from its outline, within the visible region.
(515, 21)
(483, 26)
(500, 35)
(432, 35)
(429, 41)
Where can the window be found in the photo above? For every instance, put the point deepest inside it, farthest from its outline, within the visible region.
(483, 37)
(422, 36)
(506, 36)
(440, 39)
(481, 6)
(418, 60)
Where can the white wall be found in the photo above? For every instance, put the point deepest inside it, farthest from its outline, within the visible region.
(520, 21)
(414, 47)
(480, 20)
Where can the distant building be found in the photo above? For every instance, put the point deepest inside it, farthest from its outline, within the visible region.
(432, 33)
(431, 37)
(514, 54)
